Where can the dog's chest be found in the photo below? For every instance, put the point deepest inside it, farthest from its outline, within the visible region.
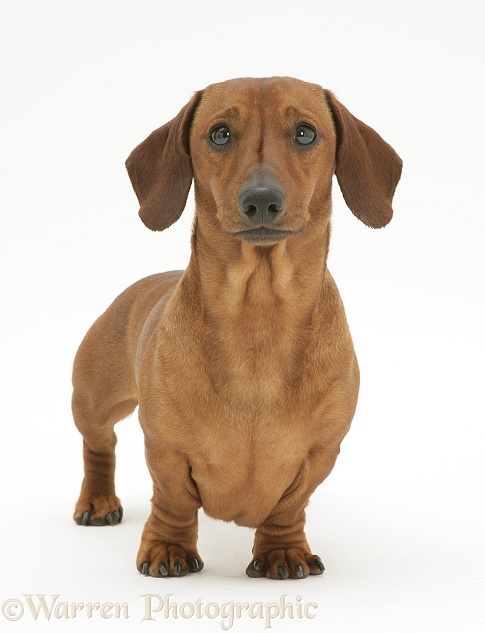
(244, 461)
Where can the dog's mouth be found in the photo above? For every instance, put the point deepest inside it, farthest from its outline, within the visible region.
(263, 236)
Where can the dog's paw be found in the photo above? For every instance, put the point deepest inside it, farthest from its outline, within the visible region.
(98, 510)
(280, 564)
(162, 560)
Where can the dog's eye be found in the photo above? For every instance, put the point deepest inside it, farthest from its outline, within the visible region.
(305, 134)
(220, 135)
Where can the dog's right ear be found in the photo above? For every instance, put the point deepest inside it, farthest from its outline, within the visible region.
(160, 170)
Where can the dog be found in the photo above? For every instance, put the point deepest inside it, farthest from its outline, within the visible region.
(242, 365)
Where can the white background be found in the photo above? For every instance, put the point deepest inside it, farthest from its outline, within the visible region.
(400, 521)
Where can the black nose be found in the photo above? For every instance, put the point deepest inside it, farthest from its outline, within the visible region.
(262, 203)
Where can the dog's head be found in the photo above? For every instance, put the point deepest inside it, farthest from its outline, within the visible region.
(262, 153)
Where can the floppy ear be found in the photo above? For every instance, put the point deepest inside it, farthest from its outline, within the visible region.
(367, 168)
(160, 170)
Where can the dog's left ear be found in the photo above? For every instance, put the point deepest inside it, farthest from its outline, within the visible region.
(367, 168)
(160, 170)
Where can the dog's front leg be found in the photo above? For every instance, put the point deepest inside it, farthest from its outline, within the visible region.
(280, 546)
(169, 541)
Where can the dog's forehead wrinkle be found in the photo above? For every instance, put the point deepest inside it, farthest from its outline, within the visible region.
(262, 129)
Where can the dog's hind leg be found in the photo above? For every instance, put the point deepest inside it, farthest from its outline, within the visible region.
(104, 393)
(105, 389)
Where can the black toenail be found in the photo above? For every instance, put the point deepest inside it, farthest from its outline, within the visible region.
(283, 572)
(319, 564)
(194, 564)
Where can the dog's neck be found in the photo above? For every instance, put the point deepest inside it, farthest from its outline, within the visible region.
(256, 305)
(232, 273)
(241, 285)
